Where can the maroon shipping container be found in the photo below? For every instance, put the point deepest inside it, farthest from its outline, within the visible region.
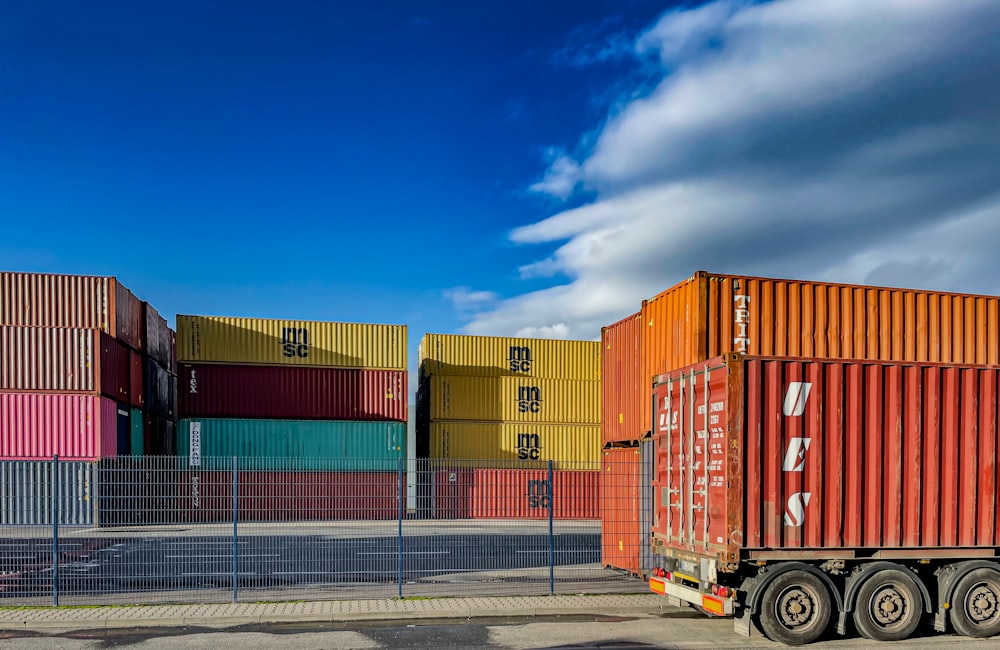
(514, 494)
(136, 393)
(622, 404)
(47, 300)
(59, 359)
(74, 426)
(288, 392)
(207, 496)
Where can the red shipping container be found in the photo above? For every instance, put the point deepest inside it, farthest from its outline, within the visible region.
(515, 494)
(290, 392)
(59, 359)
(622, 404)
(48, 300)
(207, 496)
(75, 426)
(621, 539)
(787, 455)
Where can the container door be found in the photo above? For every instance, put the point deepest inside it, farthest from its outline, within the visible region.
(691, 430)
(124, 431)
(137, 432)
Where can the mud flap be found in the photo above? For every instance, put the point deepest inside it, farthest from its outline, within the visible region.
(742, 624)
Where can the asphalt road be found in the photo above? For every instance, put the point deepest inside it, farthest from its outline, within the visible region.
(681, 629)
(107, 565)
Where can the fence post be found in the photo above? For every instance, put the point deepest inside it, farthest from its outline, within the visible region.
(235, 545)
(399, 542)
(552, 541)
(55, 530)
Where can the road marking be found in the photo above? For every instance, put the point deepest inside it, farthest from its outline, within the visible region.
(404, 553)
(216, 575)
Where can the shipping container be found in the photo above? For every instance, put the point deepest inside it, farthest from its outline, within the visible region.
(136, 372)
(260, 341)
(159, 435)
(294, 444)
(207, 496)
(710, 314)
(478, 493)
(137, 442)
(36, 426)
(159, 389)
(63, 360)
(621, 386)
(157, 335)
(31, 490)
(513, 399)
(497, 356)
(503, 441)
(621, 510)
(828, 465)
(287, 392)
(48, 300)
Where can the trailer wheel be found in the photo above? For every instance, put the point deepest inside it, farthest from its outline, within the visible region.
(795, 608)
(975, 608)
(889, 606)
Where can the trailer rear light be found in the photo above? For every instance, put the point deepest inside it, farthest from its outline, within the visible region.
(721, 592)
(660, 572)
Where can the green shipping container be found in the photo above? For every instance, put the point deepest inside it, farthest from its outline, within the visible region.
(137, 430)
(292, 445)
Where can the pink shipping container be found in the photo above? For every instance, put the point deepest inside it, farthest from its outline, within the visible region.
(207, 496)
(515, 494)
(74, 426)
(48, 300)
(63, 360)
(289, 392)
(622, 403)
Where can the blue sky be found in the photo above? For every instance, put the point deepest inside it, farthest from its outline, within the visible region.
(319, 160)
(532, 168)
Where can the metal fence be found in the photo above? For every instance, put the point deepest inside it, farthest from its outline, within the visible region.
(161, 529)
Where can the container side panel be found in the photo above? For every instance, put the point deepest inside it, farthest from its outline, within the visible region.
(519, 443)
(257, 341)
(872, 505)
(621, 390)
(44, 300)
(130, 319)
(49, 359)
(853, 449)
(912, 456)
(986, 524)
(833, 475)
(40, 425)
(931, 471)
(949, 471)
(621, 540)
(892, 457)
(512, 399)
(495, 356)
(970, 473)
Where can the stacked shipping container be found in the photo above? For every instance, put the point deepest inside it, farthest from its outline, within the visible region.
(515, 403)
(77, 369)
(295, 401)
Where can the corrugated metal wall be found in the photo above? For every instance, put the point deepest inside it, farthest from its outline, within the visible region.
(494, 356)
(621, 394)
(259, 341)
(514, 399)
(497, 441)
(27, 489)
(41, 425)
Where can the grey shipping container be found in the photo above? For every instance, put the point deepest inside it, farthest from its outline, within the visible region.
(30, 491)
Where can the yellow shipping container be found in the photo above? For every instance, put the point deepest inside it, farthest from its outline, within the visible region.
(513, 399)
(569, 446)
(495, 356)
(263, 341)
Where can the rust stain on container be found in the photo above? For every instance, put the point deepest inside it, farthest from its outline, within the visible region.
(622, 405)
(712, 314)
(825, 453)
(48, 300)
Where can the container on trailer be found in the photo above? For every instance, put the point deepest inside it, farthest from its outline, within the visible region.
(159, 389)
(49, 300)
(513, 399)
(289, 392)
(73, 425)
(261, 341)
(207, 496)
(463, 492)
(157, 336)
(711, 314)
(621, 385)
(343, 445)
(569, 445)
(497, 356)
(63, 360)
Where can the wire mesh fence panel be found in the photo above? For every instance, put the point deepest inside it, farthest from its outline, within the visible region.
(216, 529)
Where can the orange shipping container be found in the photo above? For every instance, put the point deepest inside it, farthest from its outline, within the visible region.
(709, 315)
(621, 394)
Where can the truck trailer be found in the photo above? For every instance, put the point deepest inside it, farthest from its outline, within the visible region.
(799, 495)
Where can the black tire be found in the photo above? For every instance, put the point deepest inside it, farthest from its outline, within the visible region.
(975, 605)
(889, 607)
(795, 608)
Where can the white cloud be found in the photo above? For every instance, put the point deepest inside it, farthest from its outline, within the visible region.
(847, 140)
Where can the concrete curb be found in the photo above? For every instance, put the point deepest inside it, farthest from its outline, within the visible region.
(240, 614)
